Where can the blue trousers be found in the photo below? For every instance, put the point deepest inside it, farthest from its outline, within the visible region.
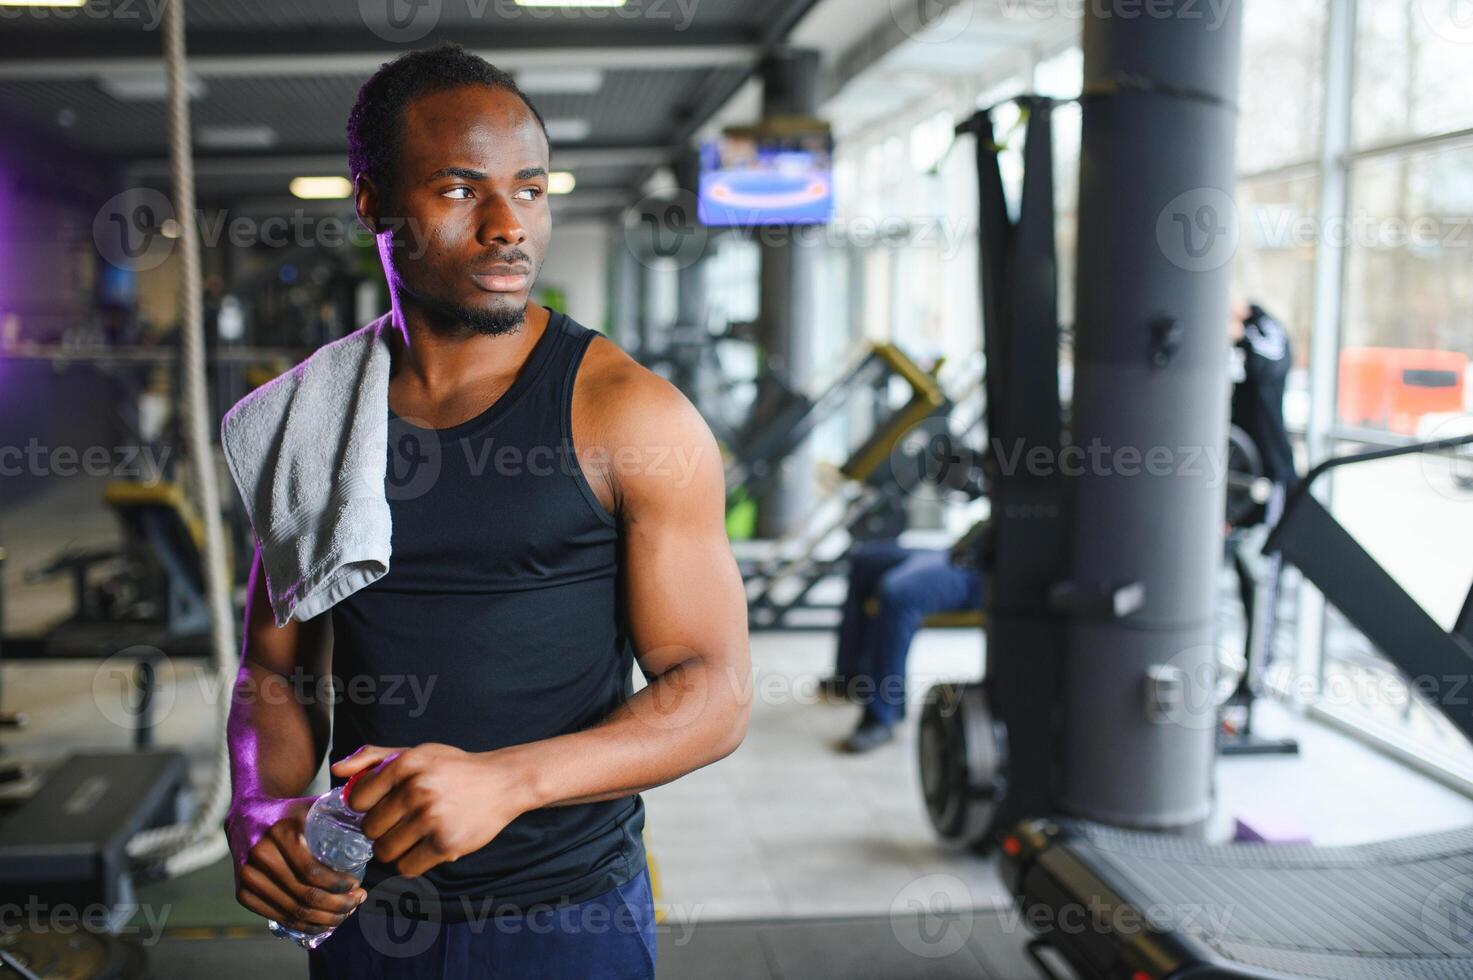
(891, 590)
(609, 937)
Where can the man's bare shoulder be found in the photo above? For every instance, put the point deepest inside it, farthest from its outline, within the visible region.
(629, 401)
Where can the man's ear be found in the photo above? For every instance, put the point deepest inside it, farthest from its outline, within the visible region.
(369, 203)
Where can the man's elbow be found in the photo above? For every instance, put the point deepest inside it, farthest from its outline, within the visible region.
(734, 729)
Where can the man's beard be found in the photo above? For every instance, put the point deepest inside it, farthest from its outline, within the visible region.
(492, 323)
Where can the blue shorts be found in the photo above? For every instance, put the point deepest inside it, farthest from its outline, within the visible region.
(609, 937)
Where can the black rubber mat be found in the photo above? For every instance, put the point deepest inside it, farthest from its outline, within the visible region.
(1400, 909)
(981, 945)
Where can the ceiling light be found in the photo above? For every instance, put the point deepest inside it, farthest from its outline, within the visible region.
(568, 130)
(235, 137)
(561, 182)
(145, 85)
(321, 188)
(560, 81)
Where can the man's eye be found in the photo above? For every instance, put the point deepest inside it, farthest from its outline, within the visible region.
(455, 194)
(532, 192)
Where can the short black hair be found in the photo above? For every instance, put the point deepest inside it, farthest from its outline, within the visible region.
(376, 119)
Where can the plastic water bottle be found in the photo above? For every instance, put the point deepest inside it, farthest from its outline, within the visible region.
(334, 838)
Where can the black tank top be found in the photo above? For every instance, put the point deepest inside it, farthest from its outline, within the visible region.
(502, 593)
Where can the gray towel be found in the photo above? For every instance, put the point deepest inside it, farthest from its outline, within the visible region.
(308, 454)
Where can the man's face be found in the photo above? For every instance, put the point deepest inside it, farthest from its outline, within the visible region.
(471, 188)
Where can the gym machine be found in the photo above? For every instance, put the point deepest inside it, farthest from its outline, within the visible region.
(781, 419)
(868, 504)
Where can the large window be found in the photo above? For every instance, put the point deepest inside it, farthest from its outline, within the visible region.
(1281, 87)
(1404, 342)
(1412, 67)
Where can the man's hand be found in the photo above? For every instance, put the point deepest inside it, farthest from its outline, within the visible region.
(276, 875)
(433, 803)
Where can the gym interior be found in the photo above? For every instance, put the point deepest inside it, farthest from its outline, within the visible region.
(1092, 387)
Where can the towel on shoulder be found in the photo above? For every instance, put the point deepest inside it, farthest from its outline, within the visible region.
(307, 452)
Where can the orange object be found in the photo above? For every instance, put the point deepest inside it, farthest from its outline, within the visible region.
(1393, 387)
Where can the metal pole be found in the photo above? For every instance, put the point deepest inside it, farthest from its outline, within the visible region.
(1329, 280)
(790, 88)
(688, 337)
(1156, 239)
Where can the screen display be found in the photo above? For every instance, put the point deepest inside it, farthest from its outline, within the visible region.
(769, 176)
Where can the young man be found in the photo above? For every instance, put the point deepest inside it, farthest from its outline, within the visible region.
(501, 790)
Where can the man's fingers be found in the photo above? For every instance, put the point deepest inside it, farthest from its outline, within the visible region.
(375, 783)
(305, 867)
(274, 866)
(421, 858)
(365, 758)
(258, 905)
(398, 839)
(386, 813)
(282, 905)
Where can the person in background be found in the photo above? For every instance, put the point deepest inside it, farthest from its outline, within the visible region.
(1262, 358)
(892, 589)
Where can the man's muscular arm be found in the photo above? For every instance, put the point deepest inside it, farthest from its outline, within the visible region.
(277, 739)
(688, 619)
